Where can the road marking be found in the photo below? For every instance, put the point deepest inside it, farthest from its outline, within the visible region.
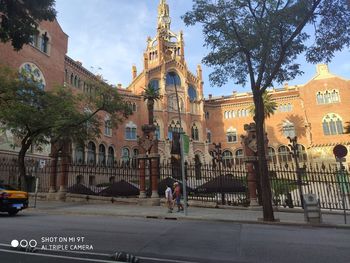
(107, 255)
(56, 256)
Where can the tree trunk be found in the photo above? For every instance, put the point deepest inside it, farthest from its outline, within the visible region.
(22, 180)
(263, 169)
(150, 107)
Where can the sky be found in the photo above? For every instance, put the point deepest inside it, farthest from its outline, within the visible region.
(109, 37)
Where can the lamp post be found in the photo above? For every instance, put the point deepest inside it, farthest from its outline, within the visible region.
(217, 156)
(295, 154)
(182, 152)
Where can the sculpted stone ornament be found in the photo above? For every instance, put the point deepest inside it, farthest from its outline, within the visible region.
(146, 143)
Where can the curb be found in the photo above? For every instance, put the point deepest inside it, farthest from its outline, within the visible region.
(192, 218)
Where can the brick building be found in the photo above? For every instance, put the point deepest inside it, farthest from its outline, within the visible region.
(316, 112)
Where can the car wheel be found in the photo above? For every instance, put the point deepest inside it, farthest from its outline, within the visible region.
(13, 212)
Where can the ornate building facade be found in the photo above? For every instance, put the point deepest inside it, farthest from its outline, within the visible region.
(315, 112)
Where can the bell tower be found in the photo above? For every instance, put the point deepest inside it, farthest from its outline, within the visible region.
(166, 45)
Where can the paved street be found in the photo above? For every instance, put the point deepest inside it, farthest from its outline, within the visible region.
(161, 240)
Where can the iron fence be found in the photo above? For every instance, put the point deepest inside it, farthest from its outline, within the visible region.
(207, 183)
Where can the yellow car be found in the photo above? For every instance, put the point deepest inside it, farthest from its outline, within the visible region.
(12, 200)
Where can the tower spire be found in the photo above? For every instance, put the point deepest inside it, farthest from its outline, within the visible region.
(163, 15)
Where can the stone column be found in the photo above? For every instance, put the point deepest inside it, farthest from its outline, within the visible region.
(142, 178)
(64, 172)
(155, 175)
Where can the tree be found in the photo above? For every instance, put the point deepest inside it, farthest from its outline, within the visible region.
(258, 41)
(270, 106)
(151, 94)
(38, 117)
(19, 19)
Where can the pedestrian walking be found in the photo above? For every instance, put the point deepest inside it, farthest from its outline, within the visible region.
(169, 198)
(177, 196)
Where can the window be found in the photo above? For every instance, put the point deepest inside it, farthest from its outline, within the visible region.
(134, 107)
(91, 155)
(125, 155)
(172, 79)
(173, 127)
(327, 97)
(302, 153)
(135, 153)
(110, 158)
(157, 131)
(231, 135)
(41, 42)
(227, 158)
(207, 115)
(284, 154)
(79, 154)
(194, 132)
(285, 107)
(239, 157)
(102, 154)
(288, 129)
(192, 94)
(208, 136)
(32, 73)
(130, 131)
(332, 124)
(272, 155)
(108, 127)
(44, 43)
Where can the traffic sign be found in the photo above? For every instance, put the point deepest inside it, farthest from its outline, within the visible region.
(340, 151)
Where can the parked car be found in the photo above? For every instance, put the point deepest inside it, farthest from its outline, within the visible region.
(12, 200)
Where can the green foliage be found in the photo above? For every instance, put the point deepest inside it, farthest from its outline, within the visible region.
(38, 117)
(264, 38)
(151, 93)
(19, 19)
(270, 106)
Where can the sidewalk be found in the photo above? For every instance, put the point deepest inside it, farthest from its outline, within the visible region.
(227, 214)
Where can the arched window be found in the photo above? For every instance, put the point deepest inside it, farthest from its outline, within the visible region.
(208, 136)
(231, 135)
(110, 158)
(239, 157)
(302, 153)
(227, 158)
(288, 129)
(71, 79)
(194, 132)
(207, 115)
(125, 155)
(75, 81)
(130, 131)
(192, 94)
(91, 155)
(173, 127)
(102, 154)
(135, 153)
(157, 132)
(272, 155)
(31, 73)
(108, 127)
(134, 107)
(319, 98)
(172, 79)
(332, 124)
(327, 97)
(44, 43)
(79, 154)
(284, 154)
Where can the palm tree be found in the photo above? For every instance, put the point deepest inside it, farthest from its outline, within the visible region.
(151, 94)
(270, 106)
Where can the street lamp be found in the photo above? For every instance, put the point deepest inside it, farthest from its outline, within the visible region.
(295, 154)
